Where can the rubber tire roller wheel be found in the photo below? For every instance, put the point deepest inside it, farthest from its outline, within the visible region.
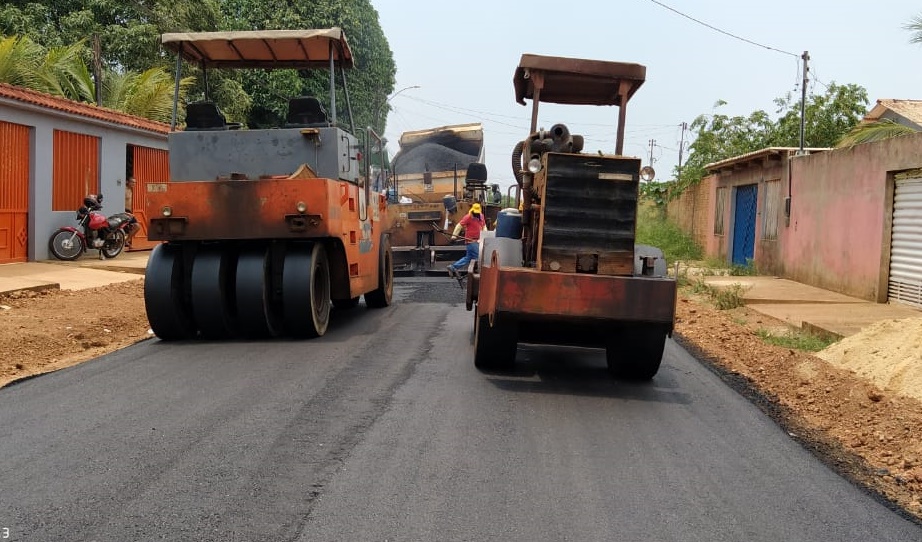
(635, 354)
(213, 305)
(257, 316)
(306, 290)
(165, 302)
(494, 346)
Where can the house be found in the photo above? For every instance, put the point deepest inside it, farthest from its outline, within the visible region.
(905, 112)
(54, 151)
(847, 220)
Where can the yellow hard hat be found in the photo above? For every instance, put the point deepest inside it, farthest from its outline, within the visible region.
(475, 208)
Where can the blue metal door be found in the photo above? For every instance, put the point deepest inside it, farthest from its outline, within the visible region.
(744, 223)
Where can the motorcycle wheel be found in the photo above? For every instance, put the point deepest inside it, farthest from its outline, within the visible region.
(115, 242)
(65, 245)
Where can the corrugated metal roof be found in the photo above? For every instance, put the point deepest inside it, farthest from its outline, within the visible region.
(910, 109)
(755, 155)
(24, 95)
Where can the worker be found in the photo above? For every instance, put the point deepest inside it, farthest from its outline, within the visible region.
(472, 224)
(133, 225)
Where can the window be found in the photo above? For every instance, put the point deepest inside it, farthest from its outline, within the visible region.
(720, 210)
(770, 210)
(75, 170)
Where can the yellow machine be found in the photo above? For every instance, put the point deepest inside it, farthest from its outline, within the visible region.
(437, 175)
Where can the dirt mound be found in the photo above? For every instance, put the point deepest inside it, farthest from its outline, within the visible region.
(889, 353)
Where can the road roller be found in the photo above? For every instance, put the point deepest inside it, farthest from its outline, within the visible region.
(265, 231)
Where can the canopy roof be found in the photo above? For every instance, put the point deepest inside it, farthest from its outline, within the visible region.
(576, 81)
(262, 48)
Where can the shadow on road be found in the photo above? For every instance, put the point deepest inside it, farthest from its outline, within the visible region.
(581, 372)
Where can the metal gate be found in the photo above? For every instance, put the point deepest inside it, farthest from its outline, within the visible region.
(148, 166)
(744, 224)
(14, 192)
(905, 283)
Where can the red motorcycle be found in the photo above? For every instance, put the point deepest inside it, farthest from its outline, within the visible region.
(93, 230)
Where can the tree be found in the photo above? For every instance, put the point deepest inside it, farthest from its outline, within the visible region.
(59, 70)
(369, 83)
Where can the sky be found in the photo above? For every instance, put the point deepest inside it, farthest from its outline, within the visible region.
(462, 55)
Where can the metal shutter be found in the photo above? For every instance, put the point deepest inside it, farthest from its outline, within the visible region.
(905, 285)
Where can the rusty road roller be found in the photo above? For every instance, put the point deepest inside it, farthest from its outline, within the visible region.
(265, 230)
(567, 270)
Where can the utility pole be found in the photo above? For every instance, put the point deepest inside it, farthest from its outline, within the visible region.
(652, 144)
(684, 127)
(803, 102)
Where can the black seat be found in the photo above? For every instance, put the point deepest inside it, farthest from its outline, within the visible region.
(476, 177)
(305, 112)
(204, 116)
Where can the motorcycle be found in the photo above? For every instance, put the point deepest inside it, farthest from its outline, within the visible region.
(93, 230)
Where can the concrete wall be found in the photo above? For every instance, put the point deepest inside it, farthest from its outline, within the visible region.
(838, 237)
(692, 212)
(114, 141)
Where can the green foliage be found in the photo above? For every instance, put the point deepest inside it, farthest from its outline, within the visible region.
(653, 228)
(58, 70)
(654, 192)
(724, 297)
(874, 131)
(796, 339)
(129, 33)
(369, 84)
(914, 26)
(748, 270)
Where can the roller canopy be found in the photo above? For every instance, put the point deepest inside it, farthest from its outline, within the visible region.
(576, 81)
(276, 49)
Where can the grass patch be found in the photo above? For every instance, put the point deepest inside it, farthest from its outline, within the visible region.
(724, 298)
(653, 228)
(796, 339)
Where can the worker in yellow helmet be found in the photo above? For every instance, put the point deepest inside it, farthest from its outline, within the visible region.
(472, 224)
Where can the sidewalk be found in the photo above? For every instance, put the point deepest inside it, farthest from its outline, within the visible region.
(86, 272)
(810, 308)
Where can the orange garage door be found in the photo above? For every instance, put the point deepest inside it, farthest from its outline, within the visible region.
(14, 192)
(150, 166)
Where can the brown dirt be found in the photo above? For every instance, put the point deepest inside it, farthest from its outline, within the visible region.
(849, 410)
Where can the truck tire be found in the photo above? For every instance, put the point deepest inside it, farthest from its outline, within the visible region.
(636, 354)
(494, 346)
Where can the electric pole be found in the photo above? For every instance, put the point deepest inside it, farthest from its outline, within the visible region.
(684, 127)
(652, 144)
(803, 102)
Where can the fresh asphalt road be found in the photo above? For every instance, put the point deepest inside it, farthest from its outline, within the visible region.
(383, 430)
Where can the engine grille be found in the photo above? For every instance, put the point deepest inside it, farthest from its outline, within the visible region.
(589, 214)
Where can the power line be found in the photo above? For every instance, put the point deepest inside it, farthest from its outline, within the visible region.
(702, 23)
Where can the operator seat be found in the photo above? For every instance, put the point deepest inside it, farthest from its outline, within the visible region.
(476, 178)
(306, 112)
(204, 116)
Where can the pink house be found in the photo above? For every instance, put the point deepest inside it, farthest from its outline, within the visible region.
(847, 220)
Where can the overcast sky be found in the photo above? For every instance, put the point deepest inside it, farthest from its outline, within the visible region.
(462, 55)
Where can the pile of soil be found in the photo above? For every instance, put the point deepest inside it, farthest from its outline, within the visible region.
(888, 353)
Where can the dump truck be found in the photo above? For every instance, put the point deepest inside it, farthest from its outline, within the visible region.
(567, 269)
(265, 230)
(437, 175)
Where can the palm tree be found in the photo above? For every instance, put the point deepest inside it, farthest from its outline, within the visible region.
(148, 94)
(915, 27)
(61, 71)
(878, 130)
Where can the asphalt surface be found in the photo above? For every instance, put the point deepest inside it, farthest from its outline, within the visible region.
(383, 430)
